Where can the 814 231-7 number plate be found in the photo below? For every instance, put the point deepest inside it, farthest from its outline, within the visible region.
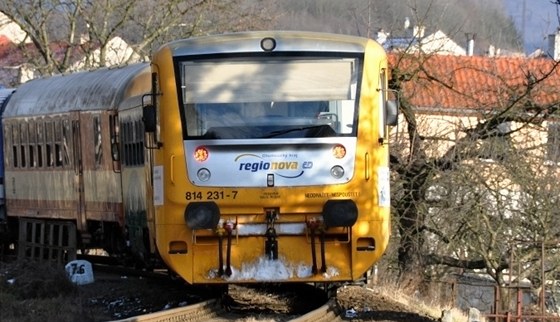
(210, 195)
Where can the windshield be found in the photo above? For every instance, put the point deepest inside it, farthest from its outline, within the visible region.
(273, 98)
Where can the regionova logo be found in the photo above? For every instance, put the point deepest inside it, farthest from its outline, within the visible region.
(287, 169)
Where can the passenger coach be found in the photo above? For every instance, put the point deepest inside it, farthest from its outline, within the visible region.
(64, 169)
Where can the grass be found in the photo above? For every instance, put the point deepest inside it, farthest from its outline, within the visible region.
(427, 307)
(31, 291)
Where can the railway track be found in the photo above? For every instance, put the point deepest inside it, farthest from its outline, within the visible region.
(213, 310)
(277, 302)
(126, 294)
(119, 295)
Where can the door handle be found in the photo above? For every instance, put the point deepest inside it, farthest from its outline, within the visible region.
(366, 166)
(171, 169)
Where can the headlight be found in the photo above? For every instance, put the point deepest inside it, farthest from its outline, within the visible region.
(203, 174)
(201, 154)
(337, 171)
(339, 151)
(268, 44)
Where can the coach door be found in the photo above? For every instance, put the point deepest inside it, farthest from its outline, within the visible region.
(96, 181)
(78, 173)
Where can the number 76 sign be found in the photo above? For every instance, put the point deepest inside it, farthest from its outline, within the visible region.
(80, 272)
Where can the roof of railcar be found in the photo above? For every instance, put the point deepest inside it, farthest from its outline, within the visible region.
(102, 89)
(285, 41)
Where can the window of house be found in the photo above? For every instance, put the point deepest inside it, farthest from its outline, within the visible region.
(497, 146)
(553, 143)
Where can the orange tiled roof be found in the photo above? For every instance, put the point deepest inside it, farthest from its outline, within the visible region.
(4, 40)
(10, 54)
(6, 46)
(10, 58)
(446, 82)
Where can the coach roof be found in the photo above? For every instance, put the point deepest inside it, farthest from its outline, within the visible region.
(102, 89)
(5, 94)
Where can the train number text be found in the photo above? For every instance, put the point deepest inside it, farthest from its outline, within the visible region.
(210, 195)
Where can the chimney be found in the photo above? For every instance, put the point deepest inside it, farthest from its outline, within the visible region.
(554, 45)
(25, 73)
(470, 43)
(418, 31)
(382, 36)
(491, 51)
(407, 28)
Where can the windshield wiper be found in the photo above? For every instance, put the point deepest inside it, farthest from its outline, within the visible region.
(282, 132)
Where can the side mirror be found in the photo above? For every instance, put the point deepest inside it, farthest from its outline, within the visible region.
(149, 118)
(392, 107)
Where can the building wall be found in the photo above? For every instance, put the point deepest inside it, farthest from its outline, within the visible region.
(11, 30)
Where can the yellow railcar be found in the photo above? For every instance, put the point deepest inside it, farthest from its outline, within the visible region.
(270, 156)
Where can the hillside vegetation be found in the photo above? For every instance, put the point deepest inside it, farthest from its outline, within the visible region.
(487, 19)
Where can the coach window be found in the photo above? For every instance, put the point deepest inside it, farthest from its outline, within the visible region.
(40, 143)
(130, 142)
(15, 141)
(66, 138)
(8, 145)
(97, 141)
(24, 142)
(124, 139)
(49, 131)
(58, 143)
(135, 140)
(126, 143)
(139, 142)
(132, 138)
(32, 144)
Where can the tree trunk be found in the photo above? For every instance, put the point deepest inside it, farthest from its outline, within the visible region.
(411, 220)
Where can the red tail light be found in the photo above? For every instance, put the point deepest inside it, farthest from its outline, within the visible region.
(201, 154)
(339, 151)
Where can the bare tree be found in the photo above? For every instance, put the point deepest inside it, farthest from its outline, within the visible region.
(63, 32)
(474, 189)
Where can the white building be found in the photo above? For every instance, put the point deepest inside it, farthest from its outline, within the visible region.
(12, 31)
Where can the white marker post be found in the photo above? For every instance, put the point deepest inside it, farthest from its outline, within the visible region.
(80, 272)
